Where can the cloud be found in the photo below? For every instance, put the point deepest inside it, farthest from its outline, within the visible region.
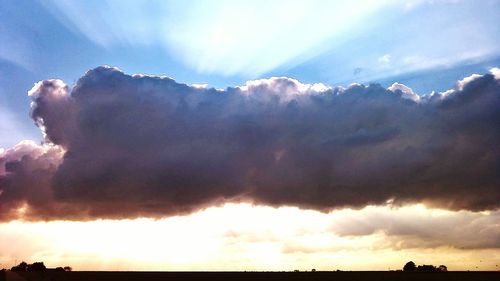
(417, 227)
(149, 146)
(373, 227)
(26, 171)
(406, 92)
(385, 59)
(258, 237)
(219, 239)
(53, 110)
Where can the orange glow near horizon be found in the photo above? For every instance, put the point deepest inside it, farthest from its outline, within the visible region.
(247, 237)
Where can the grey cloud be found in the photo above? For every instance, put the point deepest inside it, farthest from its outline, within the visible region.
(53, 110)
(413, 229)
(149, 146)
(26, 171)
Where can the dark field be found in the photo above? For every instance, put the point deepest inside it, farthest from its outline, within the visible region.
(321, 275)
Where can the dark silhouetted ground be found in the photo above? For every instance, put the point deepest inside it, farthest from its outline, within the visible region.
(314, 276)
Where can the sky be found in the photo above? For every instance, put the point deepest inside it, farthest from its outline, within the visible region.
(250, 135)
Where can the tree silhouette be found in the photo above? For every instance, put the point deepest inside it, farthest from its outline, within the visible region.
(36, 266)
(426, 267)
(410, 266)
(23, 266)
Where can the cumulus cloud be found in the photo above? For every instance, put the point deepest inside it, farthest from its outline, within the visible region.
(406, 92)
(26, 171)
(53, 110)
(149, 146)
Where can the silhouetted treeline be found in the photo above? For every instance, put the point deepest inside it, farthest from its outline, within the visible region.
(410, 266)
(37, 266)
(23, 266)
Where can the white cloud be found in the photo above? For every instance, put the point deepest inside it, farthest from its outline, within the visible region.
(406, 92)
(496, 72)
(385, 59)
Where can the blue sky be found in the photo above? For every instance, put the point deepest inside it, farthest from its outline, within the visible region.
(427, 45)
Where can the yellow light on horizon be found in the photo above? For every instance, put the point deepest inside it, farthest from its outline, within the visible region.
(234, 237)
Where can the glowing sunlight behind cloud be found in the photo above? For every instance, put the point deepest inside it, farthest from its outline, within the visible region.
(257, 36)
(246, 237)
(223, 37)
(373, 39)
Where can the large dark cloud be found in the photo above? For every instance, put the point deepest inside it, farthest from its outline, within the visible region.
(141, 145)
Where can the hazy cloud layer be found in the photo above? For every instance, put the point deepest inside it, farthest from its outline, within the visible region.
(266, 239)
(141, 145)
(410, 228)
